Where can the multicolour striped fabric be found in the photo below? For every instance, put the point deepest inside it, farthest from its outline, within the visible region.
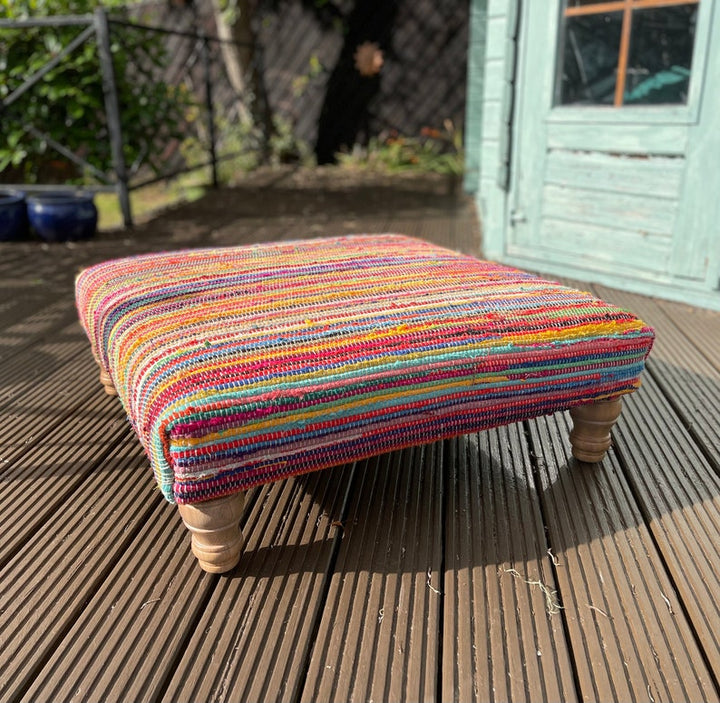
(239, 366)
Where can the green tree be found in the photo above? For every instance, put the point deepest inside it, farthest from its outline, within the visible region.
(68, 103)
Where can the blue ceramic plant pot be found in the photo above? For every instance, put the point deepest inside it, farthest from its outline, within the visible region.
(13, 216)
(59, 217)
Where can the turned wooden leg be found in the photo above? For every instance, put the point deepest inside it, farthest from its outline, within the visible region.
(590, 436)
(107, 382)
(217, 541)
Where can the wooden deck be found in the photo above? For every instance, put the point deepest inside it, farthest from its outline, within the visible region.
(489, 567)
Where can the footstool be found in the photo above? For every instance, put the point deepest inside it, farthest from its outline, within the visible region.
(244, 365)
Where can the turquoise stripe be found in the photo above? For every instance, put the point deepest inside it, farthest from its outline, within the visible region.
(419, 394)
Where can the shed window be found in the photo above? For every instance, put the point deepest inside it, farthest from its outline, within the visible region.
(628, 52)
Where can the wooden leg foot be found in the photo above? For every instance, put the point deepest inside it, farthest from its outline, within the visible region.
(590, 436)
(107, 382)
(217, 541)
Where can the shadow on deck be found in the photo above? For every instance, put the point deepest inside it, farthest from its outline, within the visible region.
(489, 567)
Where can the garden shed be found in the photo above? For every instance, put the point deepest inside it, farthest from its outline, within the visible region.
(593, 142)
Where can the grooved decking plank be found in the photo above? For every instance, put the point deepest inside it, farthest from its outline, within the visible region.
(128, 652)
(467, 234)
(45, 386)
(37, 408)
(438, 230)
(629, 637)
(52, 320)
(252, 639)
(379, 636)
(413, 227)
(502, 641)
(679, 495)
(47, 583)
(42, 362)
(35, 485)
(352, 225)
(681, 366)
(36, 422)
(240, 233)
(24, 315)
(41, 268)
(126, 640)
(700, 326)
(10, 254)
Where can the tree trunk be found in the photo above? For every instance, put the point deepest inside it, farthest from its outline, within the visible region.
(237, 59)
(243, 67)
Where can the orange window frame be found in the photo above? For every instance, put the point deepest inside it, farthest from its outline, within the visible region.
(626, 7)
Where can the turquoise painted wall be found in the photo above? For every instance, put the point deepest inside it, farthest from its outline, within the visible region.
(489, 130)
(475, 83)
(627, 197)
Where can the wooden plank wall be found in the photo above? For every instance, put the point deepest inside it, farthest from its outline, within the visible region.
(475, 94)
(624, 198)
(498, 56)
(608, 209)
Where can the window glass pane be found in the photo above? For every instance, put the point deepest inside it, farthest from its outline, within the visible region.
(661, 47)
(590, 47)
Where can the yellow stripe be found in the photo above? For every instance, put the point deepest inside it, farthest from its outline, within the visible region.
(259, 386)
(266, 425)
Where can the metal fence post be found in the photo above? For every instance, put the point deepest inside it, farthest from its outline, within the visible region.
(112, 109)
(210, 108)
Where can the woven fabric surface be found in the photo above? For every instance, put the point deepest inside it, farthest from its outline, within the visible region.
(238, 366)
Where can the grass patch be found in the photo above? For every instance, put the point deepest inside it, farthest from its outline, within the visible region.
(147, 201)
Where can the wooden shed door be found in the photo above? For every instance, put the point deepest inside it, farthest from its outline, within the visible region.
(607, 142)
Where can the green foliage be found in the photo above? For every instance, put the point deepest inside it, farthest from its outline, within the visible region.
(24, 9)
(435, 150)
(245, 143)
(68, 103)
(285, 147)
(238, 147)
(315, 69)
